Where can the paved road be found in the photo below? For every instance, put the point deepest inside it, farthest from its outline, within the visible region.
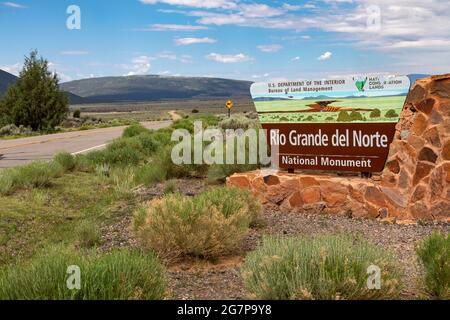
(21, 151)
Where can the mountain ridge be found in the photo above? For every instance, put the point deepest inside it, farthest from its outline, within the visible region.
(155, 88)
(7, 79)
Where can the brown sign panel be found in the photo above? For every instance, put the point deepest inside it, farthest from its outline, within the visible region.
(343, 124)
(337, 147)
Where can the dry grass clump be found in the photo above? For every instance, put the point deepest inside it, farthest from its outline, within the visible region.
(319, 268)
(206, 226)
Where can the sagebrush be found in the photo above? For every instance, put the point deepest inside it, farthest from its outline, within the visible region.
(206, 226)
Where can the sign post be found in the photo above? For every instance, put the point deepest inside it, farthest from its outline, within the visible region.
(229, 106)
(344, 124)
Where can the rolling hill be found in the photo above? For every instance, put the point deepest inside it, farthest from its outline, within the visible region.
(148, 88)
(154, 88)
(8, 79)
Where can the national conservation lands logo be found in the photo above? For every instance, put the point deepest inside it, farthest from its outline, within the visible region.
(344, 124)
(360, 84)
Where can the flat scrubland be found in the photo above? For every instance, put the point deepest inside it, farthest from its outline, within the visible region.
(205, 106)
(384, 105)
(140, 227)
(104, 115)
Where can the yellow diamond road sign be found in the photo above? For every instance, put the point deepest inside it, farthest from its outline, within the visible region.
(230, 104)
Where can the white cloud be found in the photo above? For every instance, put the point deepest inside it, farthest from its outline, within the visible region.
(172, 27)
(189, 41)
(167, 55)
(52, 66)
(421, 43)
(13, 68)
(60, 71)
(295, 59)
(326, 56)
(228, 58)
(139, 65)
(406, 29)
(74, 53)
(14, 5)
(271, 48)
(291, 7)
(260, 10)
(207, 4)
(260, 76)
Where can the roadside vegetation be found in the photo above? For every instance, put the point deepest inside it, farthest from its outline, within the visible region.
(207, 226)
(67, 201)
(42, 108)
(434, 254)
(127, 212)
(318, 268)
(117, 275)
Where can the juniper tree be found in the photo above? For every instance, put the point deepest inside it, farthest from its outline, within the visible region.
(35, 100)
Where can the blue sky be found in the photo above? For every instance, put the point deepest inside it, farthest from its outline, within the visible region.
(256, 40)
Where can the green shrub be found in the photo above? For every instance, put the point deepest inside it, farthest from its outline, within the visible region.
(121, 152)
(149, 143)
(231, 200)
(376, 113)
(123, 179)
(209, 120)
(356, 116)
(7, 181)
(391, 114)
(204, 226)
(83, 164)
(150, 174)
(66, 160)
(237, 122)
(129, 150)
(434, 253)
(326, 267)
(184, 124)
(219, 172)
(33, 175)
(343, 116)
(163, 136)
(187, 123)
(134, 130)
(163, 160)
(77, 114)
(88, 234)
(118, 275)
(170, 187)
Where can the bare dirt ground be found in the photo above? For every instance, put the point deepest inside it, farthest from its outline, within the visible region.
(174, 115)
(220, 279)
